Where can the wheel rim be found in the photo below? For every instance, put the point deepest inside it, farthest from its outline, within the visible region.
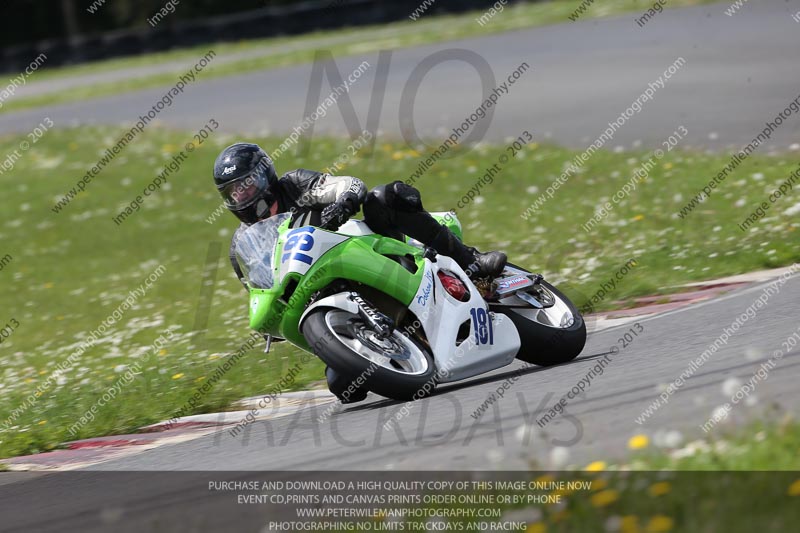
(557, 316)
(397, 353)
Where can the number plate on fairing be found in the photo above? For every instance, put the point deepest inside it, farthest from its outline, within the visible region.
(513, 283)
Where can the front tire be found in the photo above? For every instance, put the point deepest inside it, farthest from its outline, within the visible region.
(397, 368)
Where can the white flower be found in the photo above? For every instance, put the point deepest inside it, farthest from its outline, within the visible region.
(559, 457)
(795, 209)
(614, 523)
(720, 414)
(730, 386)
(667, 438)
(524, 434)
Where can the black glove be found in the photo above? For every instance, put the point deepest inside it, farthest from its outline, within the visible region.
(338, 212)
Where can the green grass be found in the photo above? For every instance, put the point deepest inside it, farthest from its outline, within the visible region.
(760, 446)
(71, 270)
(285, 51)
(743, 480)
(746, 482)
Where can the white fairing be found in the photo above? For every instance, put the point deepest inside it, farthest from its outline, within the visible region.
(440, 316)
(303, 246)
(355, 228)
(487, 347)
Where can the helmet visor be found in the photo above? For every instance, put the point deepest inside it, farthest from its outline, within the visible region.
(245, 191)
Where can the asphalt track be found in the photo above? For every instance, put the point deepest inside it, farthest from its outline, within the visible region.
(439, 432)
(740, 71)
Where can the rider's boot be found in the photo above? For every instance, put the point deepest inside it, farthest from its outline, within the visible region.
(477, 265)
(344, 389)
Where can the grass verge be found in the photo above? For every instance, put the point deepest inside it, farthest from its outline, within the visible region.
(244, 56)
(69, 271)
(748, 481)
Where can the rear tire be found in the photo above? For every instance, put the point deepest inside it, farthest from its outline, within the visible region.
(546, 345)
(381, 375)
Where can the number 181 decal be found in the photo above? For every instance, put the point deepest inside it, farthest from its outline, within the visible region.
(299, 241)
(482, 324)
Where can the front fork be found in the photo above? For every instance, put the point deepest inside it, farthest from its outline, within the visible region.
(382, 325)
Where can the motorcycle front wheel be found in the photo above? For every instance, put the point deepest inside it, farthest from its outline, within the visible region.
(396, 367)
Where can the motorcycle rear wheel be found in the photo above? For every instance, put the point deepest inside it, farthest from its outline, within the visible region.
(543, 340)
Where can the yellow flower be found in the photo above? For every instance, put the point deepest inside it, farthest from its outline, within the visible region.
(599, 484)
(667, 166)
(179, 375)
(42, 422)
(637, 218)
(659, 489)
(397, 155)
(201, 378)
(794, 488)
(49, 285)
(630, 524)
(659, 524)
(536, 527)
(637, 442)
(604, 497)
(162, 352)
(596, 466)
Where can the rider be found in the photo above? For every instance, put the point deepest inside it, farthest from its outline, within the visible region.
(245, 177)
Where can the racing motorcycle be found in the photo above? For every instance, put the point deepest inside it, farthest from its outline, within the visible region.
(393, 315)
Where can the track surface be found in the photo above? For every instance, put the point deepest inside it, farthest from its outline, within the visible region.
(438, 433)
(740, 71)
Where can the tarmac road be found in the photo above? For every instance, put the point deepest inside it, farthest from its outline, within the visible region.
(739, 72)
(439, 433)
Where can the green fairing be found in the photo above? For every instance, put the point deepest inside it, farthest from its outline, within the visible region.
(360, 259)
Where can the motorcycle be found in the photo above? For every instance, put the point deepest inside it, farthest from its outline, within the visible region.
(394, 316)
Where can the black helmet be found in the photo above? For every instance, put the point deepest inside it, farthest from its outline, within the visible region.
(245, 177)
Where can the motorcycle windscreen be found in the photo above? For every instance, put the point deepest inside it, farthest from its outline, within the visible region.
(254, 251)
